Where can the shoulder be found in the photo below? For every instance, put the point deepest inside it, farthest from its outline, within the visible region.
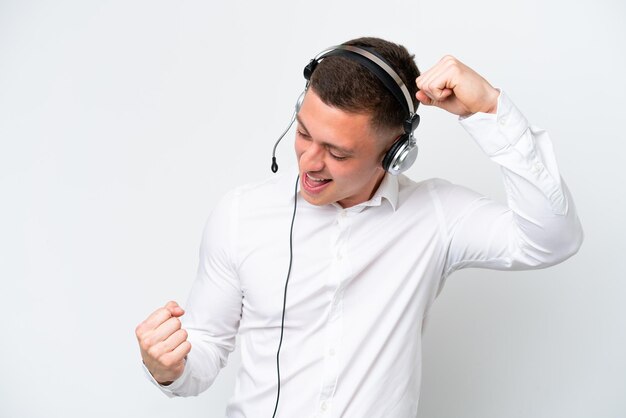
(409, 188)
(257, 197)
(406, 184)
(441, 192)
(275, 187)
(250, 205)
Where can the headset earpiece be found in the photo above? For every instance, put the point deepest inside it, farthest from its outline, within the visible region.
(401, 155)
(403, 152)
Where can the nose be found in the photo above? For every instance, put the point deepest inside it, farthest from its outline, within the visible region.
(312, 157)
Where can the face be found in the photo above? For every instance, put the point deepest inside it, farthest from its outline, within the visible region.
(339, 154)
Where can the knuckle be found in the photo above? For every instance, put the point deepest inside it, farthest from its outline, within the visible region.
(144, 345)
(153, 352)
(148, 341)
(139, 331)
(167, 362)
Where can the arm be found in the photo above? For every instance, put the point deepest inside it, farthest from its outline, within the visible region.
(213, 309)
(538, 227)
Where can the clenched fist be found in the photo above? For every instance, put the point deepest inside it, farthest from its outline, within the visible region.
(453, 86)
(163, 343)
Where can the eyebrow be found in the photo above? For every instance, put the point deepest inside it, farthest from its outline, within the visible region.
(343, 150)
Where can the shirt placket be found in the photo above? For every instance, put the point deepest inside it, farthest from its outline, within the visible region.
(339, 272)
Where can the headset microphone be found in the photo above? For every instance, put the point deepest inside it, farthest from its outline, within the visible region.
(293, 118)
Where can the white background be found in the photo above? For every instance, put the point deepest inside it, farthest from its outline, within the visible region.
(122, 122)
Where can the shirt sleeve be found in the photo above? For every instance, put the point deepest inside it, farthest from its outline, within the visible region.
(213, 309)
(538, 226)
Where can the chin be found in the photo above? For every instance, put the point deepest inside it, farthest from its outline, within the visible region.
(315, 200)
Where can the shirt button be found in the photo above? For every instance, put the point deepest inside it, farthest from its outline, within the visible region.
(331, 352)
(324, 406)
(502, 121)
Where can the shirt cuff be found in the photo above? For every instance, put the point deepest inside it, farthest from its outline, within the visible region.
(172, 389)
(496, 132)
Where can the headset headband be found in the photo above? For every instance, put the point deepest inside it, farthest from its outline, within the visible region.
(377, 65)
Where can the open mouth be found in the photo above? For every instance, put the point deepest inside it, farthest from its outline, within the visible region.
(314, 184)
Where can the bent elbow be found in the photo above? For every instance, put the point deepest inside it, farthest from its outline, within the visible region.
(550, 248)
(575, 240)
(568, 243)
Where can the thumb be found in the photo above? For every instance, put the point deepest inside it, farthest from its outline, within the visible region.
(433, 98)
(174, 308)
(423, 98)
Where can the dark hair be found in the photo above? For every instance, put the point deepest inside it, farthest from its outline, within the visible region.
(343, 83)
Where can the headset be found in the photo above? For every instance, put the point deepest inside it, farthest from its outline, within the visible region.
(403, 152)
(398, 159)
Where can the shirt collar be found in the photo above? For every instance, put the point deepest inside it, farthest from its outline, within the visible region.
(388, 189)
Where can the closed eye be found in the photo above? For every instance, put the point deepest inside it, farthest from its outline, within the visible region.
(336, 157)
(302, 134)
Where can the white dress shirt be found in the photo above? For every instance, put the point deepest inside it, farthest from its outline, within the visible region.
(363, 278)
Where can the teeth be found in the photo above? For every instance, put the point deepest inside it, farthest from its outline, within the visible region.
(314, 179)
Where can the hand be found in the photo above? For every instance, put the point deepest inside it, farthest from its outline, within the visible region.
(453, 86)
(163, 343)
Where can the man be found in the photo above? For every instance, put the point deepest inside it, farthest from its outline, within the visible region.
(370, 252)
